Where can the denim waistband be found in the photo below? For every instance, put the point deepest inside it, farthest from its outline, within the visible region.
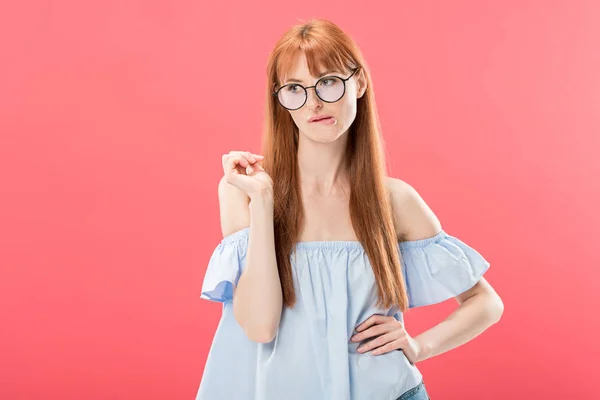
(417, 393)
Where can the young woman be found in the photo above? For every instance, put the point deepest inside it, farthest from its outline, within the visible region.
(323, 252)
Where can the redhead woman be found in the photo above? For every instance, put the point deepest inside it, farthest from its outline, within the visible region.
(323, 252)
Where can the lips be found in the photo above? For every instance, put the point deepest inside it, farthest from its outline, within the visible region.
(319, 118)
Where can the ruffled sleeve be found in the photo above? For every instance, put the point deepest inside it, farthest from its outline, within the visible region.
(225, 267)
(438, 268)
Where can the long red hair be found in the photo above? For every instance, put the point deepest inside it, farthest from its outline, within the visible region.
(325, 45)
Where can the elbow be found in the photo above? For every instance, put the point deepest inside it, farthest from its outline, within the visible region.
(257, 332)
(261, 335)
(495, 309)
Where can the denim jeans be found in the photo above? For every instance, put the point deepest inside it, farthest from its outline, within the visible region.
(417, 393)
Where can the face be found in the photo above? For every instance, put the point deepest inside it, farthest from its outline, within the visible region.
(340, 114)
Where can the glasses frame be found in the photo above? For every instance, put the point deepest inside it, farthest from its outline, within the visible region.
(276, 93)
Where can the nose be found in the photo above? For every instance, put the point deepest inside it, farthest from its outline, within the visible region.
(312, 100)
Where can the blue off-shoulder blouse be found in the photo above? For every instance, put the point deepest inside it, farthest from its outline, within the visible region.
(312, 356)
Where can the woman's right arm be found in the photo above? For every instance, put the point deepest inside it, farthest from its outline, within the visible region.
(257, 298)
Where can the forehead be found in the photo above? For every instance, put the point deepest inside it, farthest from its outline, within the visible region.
(306, 69)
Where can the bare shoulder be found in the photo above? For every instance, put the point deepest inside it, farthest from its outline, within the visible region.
(233, 207)
(413, 218)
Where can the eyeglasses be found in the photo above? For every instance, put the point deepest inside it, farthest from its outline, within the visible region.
(328, 88)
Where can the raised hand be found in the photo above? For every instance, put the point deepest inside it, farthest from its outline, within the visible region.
(245, 171)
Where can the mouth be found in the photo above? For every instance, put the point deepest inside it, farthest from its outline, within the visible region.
(324, 118)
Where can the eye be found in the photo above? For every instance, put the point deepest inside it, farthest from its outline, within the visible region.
(292, 88)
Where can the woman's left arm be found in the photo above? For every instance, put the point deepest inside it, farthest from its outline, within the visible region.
(480, 307)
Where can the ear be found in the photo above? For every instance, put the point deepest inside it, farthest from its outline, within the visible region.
(361, 83)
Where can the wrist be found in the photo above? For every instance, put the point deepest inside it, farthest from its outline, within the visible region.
(264, 196)
(423, 349)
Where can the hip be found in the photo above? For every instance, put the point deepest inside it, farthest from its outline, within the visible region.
(417, 393)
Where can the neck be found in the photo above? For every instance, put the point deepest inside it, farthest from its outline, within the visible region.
(322, 170)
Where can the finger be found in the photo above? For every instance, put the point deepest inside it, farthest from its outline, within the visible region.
(255, 167)
(251, 157)
(248, 156)
(237, 153)
(378, 342)
(376, 330)
(225, 158)
(372, 320)
(258, 166)
(233, 162)
(366, 324)
(243, 156)
(240, 160)
(240, 154)
(386, 348)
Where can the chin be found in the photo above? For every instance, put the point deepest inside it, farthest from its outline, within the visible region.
(324, 136)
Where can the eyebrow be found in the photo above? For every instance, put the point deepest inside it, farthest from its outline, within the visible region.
(320, 76)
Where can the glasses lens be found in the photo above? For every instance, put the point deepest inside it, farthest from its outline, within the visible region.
(330, 88)
(292, 96)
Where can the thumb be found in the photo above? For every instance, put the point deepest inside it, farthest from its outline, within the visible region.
(253, 169)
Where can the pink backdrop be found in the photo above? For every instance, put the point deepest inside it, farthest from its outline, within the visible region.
(113, 119)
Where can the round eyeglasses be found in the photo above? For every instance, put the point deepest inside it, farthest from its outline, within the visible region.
(328, 88)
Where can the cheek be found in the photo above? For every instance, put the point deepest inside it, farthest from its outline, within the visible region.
(348, 112)
(296, 117)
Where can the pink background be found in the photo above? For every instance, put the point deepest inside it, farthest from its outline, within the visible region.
(113, 119)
